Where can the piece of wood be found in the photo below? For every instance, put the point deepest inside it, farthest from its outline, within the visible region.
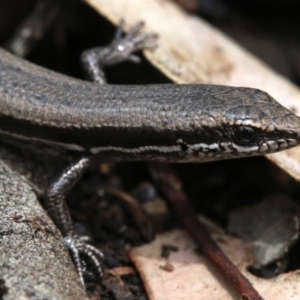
(34, 261)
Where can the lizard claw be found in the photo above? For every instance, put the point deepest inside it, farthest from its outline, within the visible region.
(123, 46)
(78, 246)
(134, 40)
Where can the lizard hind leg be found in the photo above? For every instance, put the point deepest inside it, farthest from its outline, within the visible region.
(94, 60)
(57, 209)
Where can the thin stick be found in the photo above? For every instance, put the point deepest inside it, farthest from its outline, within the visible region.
(170, 184)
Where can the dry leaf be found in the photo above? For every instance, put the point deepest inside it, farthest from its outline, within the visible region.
(193, 278)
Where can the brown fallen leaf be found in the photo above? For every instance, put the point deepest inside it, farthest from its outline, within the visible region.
(194, 277)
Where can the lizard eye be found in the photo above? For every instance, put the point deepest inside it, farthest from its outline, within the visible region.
(244, 134)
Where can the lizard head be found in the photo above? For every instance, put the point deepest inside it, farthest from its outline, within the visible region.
(259, 125)
(245, 122)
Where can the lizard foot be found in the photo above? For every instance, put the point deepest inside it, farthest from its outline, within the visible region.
(120, 49)
(78, 246)
(133, 41)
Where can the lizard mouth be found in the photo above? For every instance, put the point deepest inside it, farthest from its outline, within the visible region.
(229, 149)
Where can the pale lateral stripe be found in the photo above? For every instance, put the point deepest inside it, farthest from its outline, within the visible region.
(161, 149)
(268, 147)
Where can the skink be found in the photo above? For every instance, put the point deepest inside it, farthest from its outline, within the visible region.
(174, 123)
(98, 122)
